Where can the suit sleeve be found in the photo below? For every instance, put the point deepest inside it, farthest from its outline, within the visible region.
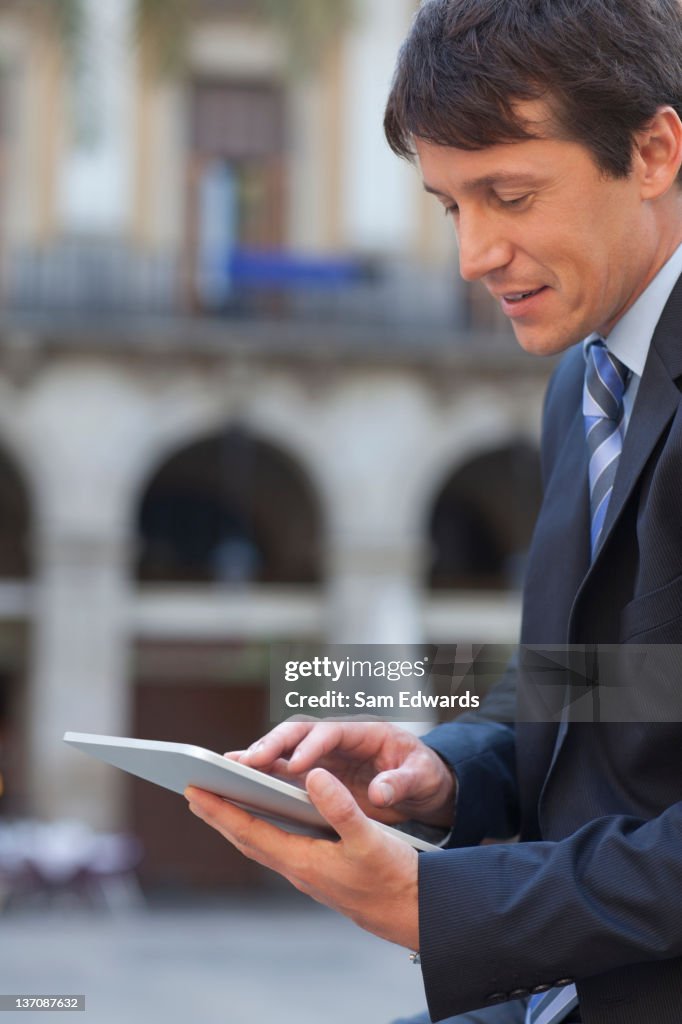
(497, 920)
(479, 747)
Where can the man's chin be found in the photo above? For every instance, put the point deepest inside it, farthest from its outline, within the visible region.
(537, 342)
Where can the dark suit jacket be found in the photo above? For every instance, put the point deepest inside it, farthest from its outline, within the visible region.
(593, 892)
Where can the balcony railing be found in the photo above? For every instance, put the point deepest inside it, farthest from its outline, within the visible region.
(278, 298)
(91, 276)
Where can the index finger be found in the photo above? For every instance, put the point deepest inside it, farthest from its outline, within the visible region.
(279, 742)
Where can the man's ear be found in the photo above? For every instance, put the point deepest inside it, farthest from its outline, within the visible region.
(658, 153)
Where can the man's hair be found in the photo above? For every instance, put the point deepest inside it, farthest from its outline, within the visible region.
(603, 67)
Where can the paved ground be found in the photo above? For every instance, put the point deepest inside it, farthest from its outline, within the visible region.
(276, 957)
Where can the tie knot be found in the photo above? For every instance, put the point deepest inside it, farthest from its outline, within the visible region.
(605, 381)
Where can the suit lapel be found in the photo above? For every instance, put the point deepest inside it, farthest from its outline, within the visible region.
(657, 401)
(655, 406)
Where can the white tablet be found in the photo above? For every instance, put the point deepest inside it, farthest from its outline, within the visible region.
(178, 765)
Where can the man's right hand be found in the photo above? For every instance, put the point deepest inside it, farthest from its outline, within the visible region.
(393, 775)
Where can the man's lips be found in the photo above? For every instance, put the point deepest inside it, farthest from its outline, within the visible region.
(521, 302)
(516, 294)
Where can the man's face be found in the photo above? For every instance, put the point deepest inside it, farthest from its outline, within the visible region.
(562, 248)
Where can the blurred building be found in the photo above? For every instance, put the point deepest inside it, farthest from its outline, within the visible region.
(244, 397)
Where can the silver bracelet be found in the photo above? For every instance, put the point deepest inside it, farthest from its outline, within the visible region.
(415, 958)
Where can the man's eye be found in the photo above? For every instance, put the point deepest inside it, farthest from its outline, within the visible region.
(453, 208)
(514, 201)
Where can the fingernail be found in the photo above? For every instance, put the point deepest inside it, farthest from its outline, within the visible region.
(256, 747)
(323, 782)
(387, 792)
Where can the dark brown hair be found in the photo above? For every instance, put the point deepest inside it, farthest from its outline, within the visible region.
(603, 66)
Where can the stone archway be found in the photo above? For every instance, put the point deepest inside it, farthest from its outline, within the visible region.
(15, 522)
(230, 509)
(482, 520)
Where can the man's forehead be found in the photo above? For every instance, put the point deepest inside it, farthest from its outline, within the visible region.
(510, 163)
(514, 165)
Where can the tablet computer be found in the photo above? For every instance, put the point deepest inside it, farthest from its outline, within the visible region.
(178, 765)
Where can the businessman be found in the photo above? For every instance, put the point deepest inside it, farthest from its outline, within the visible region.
(550, 132)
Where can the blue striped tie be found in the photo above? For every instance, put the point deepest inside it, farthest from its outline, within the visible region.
(551, 1006)
(605, 382)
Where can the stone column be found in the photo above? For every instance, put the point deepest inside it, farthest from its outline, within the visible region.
(375, 590)
(79, 672)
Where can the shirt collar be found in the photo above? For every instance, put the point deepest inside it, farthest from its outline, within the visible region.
(631, 337)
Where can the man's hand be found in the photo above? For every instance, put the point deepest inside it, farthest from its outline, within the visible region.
(367, 875)
(393, 776)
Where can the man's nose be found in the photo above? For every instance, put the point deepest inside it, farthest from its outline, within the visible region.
(483, 247)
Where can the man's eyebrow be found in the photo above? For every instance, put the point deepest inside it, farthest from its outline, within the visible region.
(487, 181)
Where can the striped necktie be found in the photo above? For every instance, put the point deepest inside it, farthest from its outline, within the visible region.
(551, 1006)
(605, 382)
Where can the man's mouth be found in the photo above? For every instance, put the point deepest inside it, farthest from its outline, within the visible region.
(514, 297)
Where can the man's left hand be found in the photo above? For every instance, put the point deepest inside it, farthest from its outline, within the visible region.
(368, 876)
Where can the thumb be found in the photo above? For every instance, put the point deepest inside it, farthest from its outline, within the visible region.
(337, 806)
(389, 788)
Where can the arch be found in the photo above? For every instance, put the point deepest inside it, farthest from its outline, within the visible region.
(230, 508)
(15, 521)
(482, 419)
(482, 520)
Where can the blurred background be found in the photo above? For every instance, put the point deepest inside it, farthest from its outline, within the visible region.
(244, 398)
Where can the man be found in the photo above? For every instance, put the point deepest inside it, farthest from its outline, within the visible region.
(549, 130)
